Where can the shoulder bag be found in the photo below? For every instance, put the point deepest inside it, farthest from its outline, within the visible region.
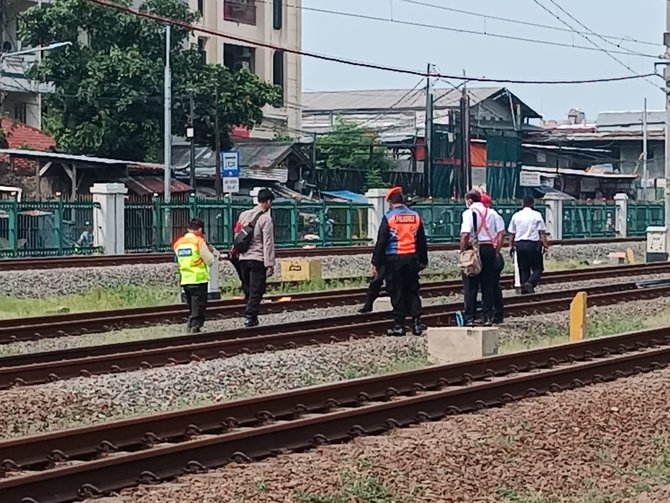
(242, 240)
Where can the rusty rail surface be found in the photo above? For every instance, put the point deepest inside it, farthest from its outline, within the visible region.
(37, 368)
(85, 462)
(162, 258)
(24, 329)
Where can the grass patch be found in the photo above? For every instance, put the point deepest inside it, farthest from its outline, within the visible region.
(355, 487)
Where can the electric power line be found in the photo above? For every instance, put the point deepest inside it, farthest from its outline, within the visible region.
(586, 37)
(524, 23)
(360, 64)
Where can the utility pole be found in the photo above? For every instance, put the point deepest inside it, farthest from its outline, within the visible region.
(666, 75)
(428, 140)
(218, 185)
(167, 130)
(190, 132)
(644, 151)
(465, 135)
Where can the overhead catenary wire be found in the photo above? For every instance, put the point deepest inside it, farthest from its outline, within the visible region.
(360, 64)
(524, 23)
(587, 38)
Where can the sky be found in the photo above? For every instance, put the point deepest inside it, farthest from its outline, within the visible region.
(399, 45)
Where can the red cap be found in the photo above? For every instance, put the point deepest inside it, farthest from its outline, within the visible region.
(392, 191)
(486, 200)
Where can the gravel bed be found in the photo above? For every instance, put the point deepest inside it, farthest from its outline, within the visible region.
(59, 282)
(159, 331)
(596, 444)
(82, 400)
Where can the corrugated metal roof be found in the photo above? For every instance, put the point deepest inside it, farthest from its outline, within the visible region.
(579, 172)
(383, 99)
(347, 195)
(145, 185)
(629, 121)
(84, 159)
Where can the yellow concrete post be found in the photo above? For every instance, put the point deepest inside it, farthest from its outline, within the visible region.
(578, 317)
(630, 256)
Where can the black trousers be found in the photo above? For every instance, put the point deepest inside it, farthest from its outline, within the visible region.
(485, 280)
(402, 282)
(254, 283)
(375, 287)
(196, 299)
(530, 261)
(498, 303)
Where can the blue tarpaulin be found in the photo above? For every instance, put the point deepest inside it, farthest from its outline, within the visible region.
(347, 196)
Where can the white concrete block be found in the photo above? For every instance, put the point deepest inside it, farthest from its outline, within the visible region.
(458, 344)
(382, 304)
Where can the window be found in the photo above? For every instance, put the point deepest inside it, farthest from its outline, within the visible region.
(240, 11)
(201, 7)
(277, 14)
(236, 57)
(202, 48)
(278, 71)
(21, 112)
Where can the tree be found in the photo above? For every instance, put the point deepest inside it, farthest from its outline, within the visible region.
(108, 85)
(352, 146)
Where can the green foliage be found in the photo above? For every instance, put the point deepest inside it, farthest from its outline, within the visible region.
(108, 96)
(352, 146)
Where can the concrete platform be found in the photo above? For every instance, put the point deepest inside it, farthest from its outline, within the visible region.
(458, 344)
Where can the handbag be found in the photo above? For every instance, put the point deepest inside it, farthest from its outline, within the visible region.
(470, 261)
(242, 240)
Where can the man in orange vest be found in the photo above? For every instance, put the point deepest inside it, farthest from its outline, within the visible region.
(194, 257)
(403, 250)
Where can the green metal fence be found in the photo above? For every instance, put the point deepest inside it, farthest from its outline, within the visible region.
(584, 220)
(442, 221)
(154, 226)
(642, 215)
(43, 228)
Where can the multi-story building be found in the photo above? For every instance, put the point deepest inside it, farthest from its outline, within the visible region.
(19, 95)
(275, 22)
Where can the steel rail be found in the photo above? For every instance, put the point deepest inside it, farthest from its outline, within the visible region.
(37, 368)
(80, 261)
(192, 441)
(24, 329)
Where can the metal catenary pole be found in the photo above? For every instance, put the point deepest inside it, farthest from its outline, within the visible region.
(428, 158)
(167, 129)
(666, 74)
(644, 151)
(217, 146)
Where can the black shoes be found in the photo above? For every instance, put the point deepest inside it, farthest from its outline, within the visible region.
(193, 330)
(365, 309)
(397, 331)
(418, 329)
(527, 288)
(250, 321)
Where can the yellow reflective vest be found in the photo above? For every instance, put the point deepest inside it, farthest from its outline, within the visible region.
(192, 267)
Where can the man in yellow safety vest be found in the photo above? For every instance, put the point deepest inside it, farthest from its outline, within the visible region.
(194, 256)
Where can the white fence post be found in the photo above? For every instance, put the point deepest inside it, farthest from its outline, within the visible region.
(554, 216)
(621, 221)
(109, 217)
(378, 206)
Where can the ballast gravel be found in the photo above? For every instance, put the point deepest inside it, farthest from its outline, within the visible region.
(163, 331)
(100, 398)
(599, 444)
(73, 281)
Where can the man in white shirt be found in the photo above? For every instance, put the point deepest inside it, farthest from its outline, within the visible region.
(498, 302)
(529, 241)
(483, 222)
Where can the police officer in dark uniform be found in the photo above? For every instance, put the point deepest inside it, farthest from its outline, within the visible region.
(403, 250)
(377, 283)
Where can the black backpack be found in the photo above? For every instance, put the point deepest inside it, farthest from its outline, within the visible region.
(242, 240)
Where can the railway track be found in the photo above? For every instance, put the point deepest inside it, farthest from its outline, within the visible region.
(14, 330)
(93, 461)
(38, 368)
(161, 258)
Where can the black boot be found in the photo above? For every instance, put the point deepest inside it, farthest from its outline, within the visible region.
(251, 321)
(365, 309)
(398, 330)
(418, 328)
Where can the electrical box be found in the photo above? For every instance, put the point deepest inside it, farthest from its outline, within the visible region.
(656, 249)
(300, 270)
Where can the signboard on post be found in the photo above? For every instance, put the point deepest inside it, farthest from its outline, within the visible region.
(231, 184)
(529, 179)
(230, 163)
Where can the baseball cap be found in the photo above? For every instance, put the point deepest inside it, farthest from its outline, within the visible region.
(392, 191)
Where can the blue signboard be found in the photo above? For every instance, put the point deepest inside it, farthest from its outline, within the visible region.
(230, 163)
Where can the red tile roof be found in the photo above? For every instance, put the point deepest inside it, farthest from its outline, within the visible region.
(21, 135)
